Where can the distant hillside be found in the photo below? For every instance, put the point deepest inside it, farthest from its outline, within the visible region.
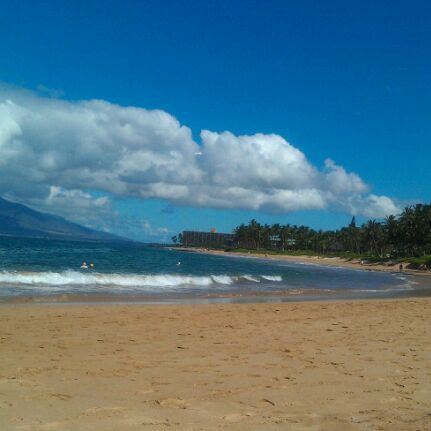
(19, 220)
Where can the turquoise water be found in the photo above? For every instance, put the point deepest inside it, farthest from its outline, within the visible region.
(47, 268)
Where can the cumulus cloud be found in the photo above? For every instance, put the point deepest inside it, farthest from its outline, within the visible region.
(53, 152)
(139, 229)
(339, 181)
(373, 206)
(74, 205)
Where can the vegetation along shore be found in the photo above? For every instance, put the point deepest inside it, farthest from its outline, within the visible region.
(381, 245)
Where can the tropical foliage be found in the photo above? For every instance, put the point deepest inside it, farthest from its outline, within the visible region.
(408, 235)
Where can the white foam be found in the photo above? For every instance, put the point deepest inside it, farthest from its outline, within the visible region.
(251, 278)
(95, 279)
(223, 279)
(272, 277)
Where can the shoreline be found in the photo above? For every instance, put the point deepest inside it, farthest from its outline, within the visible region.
(415, 284)
(421, 290)
(350, 365)
(312, 260)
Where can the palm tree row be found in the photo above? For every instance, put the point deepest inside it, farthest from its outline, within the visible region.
(407, 235)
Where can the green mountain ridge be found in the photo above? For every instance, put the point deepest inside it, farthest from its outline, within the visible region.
(21, 221)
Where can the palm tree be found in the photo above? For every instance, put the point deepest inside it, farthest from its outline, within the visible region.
(392, 233)
(374, 237)
(406, 235)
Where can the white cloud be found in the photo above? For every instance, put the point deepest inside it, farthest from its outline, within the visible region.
(258, 161)
(339, 181)
(154, 232)
(375, 206)
(53, 152)
(140, 229)
(74, 205)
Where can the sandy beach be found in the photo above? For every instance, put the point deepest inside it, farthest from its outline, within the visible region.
(359, 365)
(314, 260)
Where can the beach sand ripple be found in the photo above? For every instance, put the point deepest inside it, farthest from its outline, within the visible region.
(359, 365)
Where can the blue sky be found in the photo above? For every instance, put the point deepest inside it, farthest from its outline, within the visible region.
(350, 81)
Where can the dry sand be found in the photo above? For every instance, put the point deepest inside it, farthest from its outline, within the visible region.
(359, 365)
(316, 260)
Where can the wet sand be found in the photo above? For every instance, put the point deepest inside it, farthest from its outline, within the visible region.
(358, 365)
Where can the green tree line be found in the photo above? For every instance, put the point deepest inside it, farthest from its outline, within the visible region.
(406, 235)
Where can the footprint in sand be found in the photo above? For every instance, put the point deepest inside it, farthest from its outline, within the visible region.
(172, 402)
(266, 401)
(63, 397)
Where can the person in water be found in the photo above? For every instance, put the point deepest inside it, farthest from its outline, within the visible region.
(84, 265)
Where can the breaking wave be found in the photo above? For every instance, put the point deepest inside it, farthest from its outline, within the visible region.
(96, 279)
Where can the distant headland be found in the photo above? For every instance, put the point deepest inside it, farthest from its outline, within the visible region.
(20, 221)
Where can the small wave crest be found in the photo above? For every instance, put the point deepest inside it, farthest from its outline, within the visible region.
(96, 279)
(272, 277)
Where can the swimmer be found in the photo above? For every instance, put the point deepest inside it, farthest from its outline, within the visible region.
(84, 265)
(91, 265)
(178, 263)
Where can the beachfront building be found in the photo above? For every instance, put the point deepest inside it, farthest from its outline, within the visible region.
(207, 239)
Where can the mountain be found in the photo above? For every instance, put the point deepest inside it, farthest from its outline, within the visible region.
(19, 220)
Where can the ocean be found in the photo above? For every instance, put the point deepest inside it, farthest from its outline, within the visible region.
(50, 270)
